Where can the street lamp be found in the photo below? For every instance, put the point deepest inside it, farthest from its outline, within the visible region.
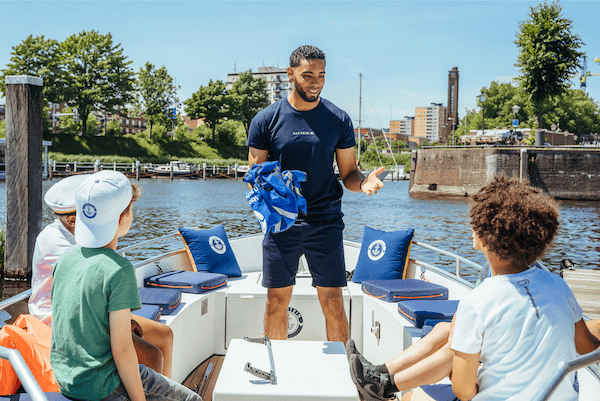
(515, 109)
(482, 98)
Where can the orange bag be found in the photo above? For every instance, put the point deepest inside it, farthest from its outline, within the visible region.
(32, 338)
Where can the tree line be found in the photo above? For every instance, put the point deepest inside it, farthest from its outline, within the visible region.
(88, 71)
(549, 57)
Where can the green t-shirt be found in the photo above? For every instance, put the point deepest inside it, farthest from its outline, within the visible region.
(88, 283)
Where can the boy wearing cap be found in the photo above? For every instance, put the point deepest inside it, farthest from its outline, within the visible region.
(94, 290)
(153, 341)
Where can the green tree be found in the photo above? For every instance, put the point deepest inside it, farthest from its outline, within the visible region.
(99, 73)
(548, 54)
(113, 127)
(156, 92)
(40, 57)
(211, 103)
(2, 128)
(248, 97)
(571, 110)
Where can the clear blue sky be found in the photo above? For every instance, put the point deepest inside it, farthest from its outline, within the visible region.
(403, 49)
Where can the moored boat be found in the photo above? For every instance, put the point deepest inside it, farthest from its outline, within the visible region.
(213, 324)
(179, 168)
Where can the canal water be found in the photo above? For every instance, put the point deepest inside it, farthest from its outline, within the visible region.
(442, 222)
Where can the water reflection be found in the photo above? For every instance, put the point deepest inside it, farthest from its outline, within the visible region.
(442, 222)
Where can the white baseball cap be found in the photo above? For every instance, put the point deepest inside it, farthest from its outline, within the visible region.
(100, 200)
(61, 196)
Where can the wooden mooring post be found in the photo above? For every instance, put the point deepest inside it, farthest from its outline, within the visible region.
(24, 105)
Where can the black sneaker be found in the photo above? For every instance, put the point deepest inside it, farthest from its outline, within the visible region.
(351, 350)
(370, 384)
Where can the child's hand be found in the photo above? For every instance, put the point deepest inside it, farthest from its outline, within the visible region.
(136, 329)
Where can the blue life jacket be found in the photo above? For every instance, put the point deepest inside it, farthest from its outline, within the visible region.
(275, 197)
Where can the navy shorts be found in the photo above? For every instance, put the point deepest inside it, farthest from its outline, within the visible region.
(320, 241)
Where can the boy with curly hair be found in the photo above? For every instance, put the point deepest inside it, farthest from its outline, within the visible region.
(518, 324)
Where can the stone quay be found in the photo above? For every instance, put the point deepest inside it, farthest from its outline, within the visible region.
(563, 172)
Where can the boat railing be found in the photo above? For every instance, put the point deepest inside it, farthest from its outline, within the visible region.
(563, 369)
(459, 261)
(15, 298)
(124, 251)
(24, 373)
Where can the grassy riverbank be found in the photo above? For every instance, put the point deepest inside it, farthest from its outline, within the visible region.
(124, 149)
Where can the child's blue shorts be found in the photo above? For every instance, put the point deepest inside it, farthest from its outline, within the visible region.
(320, 241)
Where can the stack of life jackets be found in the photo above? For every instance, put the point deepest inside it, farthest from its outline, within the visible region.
(275, 197)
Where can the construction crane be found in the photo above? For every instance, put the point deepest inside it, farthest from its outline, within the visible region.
(585, 73)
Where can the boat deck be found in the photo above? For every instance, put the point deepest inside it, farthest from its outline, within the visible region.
(585, 285)
(194, 380)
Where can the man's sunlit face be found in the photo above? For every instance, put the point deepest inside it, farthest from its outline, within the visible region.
(308, 78)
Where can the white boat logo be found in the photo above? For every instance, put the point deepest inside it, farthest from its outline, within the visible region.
(261, 221)
(376, 250)
(217, 244)
(294, 322)
(89, 210)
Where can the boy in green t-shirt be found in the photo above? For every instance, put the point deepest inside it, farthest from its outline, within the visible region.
(93, 292)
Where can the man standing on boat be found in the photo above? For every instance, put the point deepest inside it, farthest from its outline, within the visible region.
(303, 132)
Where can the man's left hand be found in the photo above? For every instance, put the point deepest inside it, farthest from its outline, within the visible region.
(372, 183)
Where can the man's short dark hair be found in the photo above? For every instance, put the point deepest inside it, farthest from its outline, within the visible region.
(516, 221)
(306, 53)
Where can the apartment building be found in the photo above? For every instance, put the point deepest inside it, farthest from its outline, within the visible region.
(430, 122)
(404, 127)
(278, 83)
(129, 123)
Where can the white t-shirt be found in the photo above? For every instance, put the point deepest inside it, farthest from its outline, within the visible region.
(524, 326)
(52, 242)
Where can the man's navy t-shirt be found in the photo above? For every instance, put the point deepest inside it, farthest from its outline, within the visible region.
(306, 141)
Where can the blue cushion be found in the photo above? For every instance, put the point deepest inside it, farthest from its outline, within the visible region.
(209, 251)
(383, 255)
(151, 312)
(439, 392)
(166, 298)
(403, 290)
(418, 311)
(193, 282)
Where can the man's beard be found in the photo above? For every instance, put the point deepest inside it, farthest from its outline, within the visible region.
(304, 95)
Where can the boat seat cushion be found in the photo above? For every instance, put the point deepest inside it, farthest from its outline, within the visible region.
(403, 290)
(151, 312)
(417, 311)
(193, 282)
(209, 251)
(165, 298)
(437, 392)
(383, 255)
